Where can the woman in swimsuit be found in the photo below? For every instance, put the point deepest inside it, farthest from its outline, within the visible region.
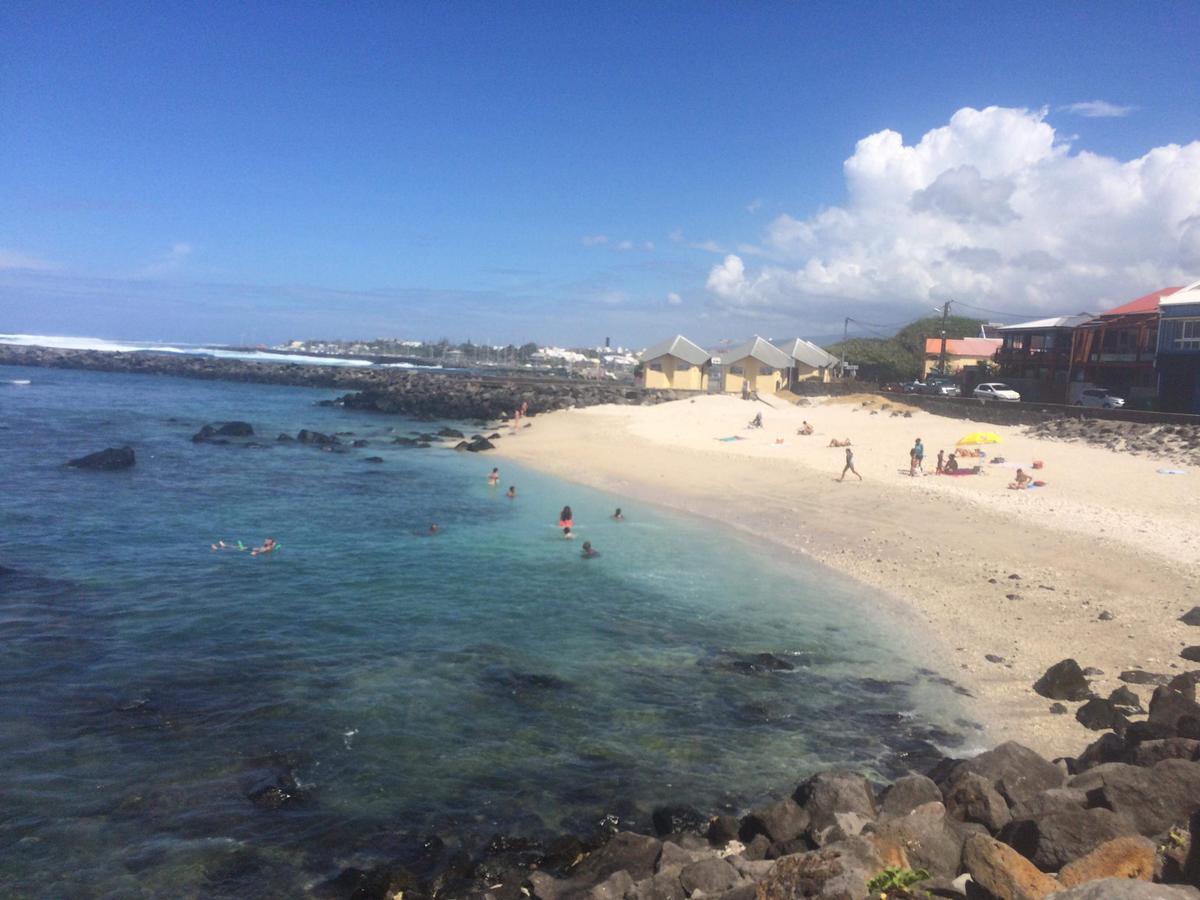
(565, 518)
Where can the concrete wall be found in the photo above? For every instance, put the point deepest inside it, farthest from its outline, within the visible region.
(999, 413)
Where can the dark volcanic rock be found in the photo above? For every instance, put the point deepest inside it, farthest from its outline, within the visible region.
(1016, 772)
(781, 821)
(374, 459)
(1151, 799)
(1098, 714)
(1108, 749)
(971, 798)
(906, 794)
(625, 851)
(314, 437)
(480, 443)
(1063, 681)
(678, 820)
(1191, 654)
(1057, 838)
(109, 460)
(1191, 617)
(1137, 676)
(1167, 707)
(829, 797)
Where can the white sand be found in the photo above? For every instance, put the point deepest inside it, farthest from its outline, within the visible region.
(1106, 533)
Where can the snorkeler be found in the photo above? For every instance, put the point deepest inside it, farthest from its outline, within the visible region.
(268, 546)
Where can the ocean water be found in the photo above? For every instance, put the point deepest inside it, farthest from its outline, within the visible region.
(485, 680)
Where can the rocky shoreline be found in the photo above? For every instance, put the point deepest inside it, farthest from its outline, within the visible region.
(414, 393)
(1115, 822)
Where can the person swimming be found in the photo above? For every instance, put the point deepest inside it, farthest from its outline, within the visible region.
(617, 515)
(511, 492)
(567, 533)
(221, 545)
(268, 546)
(433, 529)
(494, 478)
(565, 518)
(587, 552)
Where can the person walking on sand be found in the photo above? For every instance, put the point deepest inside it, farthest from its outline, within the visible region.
(916, 457)
(849, 467)
(941, 462)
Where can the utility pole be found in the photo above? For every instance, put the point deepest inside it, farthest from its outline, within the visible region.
(845, 331)
(942, 356)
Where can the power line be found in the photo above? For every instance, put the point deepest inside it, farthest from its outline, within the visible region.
(994, 312)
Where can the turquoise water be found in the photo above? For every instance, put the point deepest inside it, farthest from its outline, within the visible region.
(486, 680)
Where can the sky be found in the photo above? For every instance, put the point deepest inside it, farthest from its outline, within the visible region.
(566, 172)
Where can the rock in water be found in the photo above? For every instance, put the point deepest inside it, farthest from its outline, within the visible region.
(105, 460)
(1063, 681)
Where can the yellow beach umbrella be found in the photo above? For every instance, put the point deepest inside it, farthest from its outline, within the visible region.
(979, 437)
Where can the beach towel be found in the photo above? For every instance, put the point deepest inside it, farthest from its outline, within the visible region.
(1171, 472)
(736, 437)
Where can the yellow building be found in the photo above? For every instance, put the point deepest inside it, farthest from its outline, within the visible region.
(960, 352)
(676, 364)
(756, 366)
(808, 361)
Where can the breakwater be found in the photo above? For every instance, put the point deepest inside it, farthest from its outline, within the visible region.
(419, 394)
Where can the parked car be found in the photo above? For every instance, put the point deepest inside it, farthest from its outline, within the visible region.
(943, 389)
(912, 387)
(1099, 397)
(995, 390)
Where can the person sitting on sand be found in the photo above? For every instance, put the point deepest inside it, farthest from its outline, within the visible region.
(511, 492)
(587, 552)
(267, 546)
(567, 533)
(805, 428)
(951, 465)
(756, 422)
(565, 518)
(494, 478)
(1022, 481)
(941, 462)
(834, 442)
(617, 515)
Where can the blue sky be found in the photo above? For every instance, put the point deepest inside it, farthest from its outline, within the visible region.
(562, 172)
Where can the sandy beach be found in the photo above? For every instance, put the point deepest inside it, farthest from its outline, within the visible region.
(976, 568)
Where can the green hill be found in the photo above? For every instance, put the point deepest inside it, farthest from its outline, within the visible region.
(902, 356)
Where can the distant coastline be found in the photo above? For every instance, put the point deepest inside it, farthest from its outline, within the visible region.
(395, 389)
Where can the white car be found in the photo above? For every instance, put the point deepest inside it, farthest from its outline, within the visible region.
(1099, 397)
(994, 390)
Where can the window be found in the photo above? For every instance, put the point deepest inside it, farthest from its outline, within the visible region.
(657, 367)
(765, 370)
(1188, 334)
(683, 367)
(735, 370)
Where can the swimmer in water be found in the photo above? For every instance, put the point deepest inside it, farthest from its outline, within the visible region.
(433, 529)
(587, 552)
(565, 518)
(267, 546)
(617, 515)
(567, 533)
(511, 493)
(494, 478)
(221, 545)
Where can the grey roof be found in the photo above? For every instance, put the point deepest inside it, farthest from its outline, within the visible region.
(763, 351)
(808, 353)
(1056, 322)
(679, 347)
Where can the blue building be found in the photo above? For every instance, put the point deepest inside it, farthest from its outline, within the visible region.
(1178, 358)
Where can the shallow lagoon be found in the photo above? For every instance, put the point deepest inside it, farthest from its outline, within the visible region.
(484, 680)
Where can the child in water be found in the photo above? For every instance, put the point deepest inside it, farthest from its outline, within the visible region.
(587, 552)
(494, 478)
(512, 492)
(617, 515)
(567, 533)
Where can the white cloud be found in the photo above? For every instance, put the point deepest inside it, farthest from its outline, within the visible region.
(624, 245)
(1098, 109)
(993, 208)
(710, 246)
(15, 259)
(754, 205)
(676, 236)
(170, 262)
(594, 240)
(647, 245)
(673, 299)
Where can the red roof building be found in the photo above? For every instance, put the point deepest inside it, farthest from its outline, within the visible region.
(959, 352)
